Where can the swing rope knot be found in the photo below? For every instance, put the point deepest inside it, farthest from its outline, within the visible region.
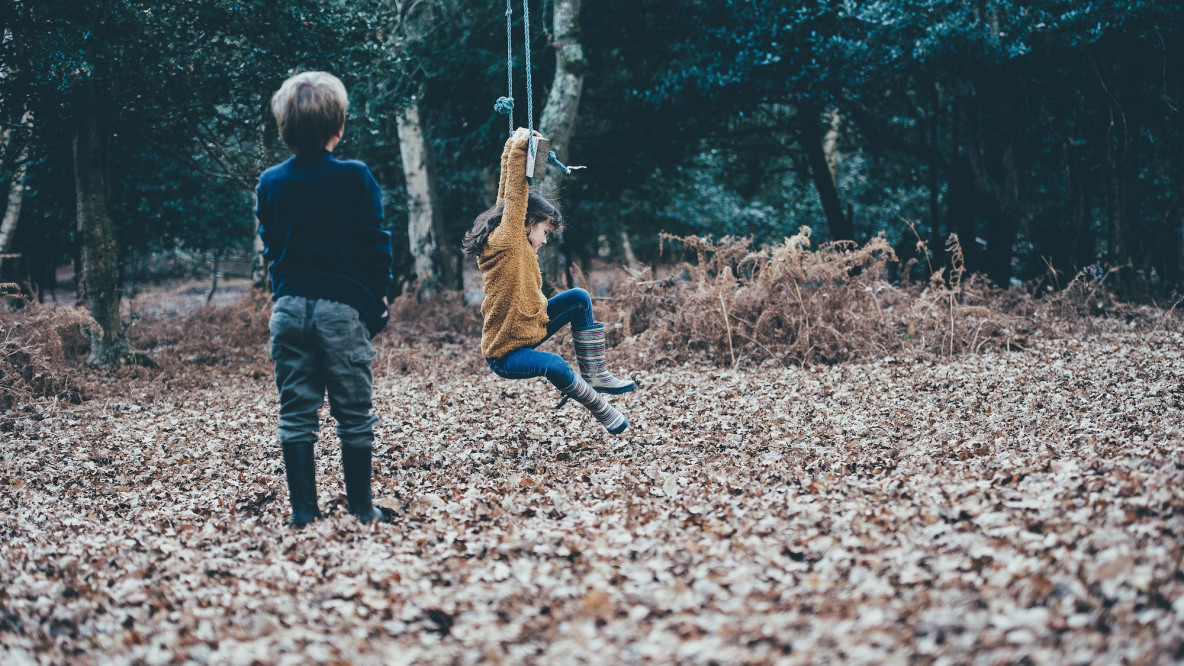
(505, 105)
(555, 160)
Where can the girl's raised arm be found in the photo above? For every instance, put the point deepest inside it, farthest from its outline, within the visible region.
(514, 190)
(501, 184)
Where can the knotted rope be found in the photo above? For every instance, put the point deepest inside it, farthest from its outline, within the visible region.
(505, 105)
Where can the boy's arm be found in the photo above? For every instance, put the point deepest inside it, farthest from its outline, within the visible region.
(374, 243)
(268, 233)
(514, 190)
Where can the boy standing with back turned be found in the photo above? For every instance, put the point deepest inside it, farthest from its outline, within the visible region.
(330, 269)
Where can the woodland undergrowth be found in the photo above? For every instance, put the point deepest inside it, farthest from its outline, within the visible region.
(733, 305)
(741, 305)
(40, 353)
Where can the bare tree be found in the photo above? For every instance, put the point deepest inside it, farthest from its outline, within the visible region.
(425, 225)
(100, 258)
(559, 115)
(16, 189)
(435, 267)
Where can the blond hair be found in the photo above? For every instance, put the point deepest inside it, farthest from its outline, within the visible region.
(310, 109)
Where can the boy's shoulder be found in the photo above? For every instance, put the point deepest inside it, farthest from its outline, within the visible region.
(335, 171)
(355, 165)
(276, 170)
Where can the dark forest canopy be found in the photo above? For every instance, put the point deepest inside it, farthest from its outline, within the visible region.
(1047, 135)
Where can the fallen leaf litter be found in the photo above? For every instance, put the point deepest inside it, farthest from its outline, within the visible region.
(993, 508)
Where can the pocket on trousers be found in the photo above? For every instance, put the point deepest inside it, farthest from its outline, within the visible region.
(287, 307)
(337, 316)
(342, 333)
(363, 356)
(283, 325)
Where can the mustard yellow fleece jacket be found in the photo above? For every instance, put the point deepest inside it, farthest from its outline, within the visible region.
(514, 310)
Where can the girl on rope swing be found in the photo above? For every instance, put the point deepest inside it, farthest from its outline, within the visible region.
(505, 241)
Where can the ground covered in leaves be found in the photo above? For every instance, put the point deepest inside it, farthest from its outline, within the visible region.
(1009, 506)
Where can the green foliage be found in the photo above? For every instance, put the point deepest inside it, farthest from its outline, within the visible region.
(1019, 126)
(1040, 134)
(182, 91)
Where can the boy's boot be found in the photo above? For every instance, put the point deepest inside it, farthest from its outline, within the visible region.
(590, 356)
(613, 420)
(301, 470)
(355, 466)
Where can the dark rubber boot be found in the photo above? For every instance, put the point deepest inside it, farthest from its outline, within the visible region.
(355, 465)
(301, 470)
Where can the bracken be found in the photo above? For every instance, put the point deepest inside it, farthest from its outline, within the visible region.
(740, 305)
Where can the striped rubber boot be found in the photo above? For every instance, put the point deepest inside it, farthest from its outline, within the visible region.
(612, 420)
(590, 357)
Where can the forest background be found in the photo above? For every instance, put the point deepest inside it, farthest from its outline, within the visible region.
(1048, 138)
(898, 280)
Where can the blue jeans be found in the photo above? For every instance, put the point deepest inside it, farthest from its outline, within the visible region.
(322, 346)
(573, 306)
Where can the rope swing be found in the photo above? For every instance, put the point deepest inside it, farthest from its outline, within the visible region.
(505, 105)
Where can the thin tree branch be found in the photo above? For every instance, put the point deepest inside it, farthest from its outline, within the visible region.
(244, 181)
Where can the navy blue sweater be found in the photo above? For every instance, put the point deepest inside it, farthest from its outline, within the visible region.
(320, 219)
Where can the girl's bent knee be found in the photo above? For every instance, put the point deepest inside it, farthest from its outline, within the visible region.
(582, 295)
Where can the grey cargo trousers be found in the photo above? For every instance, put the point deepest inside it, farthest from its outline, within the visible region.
(322, 347)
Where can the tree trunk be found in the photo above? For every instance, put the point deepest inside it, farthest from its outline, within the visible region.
(1166, 254)
(425, 227)
(1131, 237)
(48, 268)
(259, 275)
(830, 139)
(934, 185)
(558, 121)
(997, 167)
(79, 283)
(932, 170)
(1082, 250)
(131, 275)
(16, 194)
(215, 261)
(962, 215)
(1128, 237)
(627, 250)
(1012, 214)
(1001, 233)
(100, 258)
(258, 263)
(1120, 235)
(812, 138)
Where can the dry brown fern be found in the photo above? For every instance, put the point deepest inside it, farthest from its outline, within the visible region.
(740, 305)
(208, 335)
(40, 353)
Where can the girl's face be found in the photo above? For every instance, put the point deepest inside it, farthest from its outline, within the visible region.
(537, 234)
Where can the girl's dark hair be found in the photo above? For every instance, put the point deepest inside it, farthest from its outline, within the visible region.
(538, 209)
